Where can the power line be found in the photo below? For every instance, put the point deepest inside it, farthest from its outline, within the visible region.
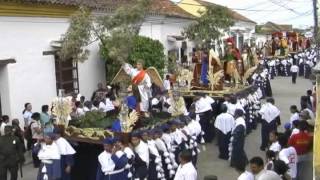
(239, 9)
(284, 6)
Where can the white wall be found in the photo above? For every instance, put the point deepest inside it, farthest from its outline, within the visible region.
(32, 78)
(4, 89)
(91, 72)
(160, 27)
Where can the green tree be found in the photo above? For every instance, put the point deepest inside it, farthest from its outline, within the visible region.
(149, 50)
(210, 25)
(114, 31)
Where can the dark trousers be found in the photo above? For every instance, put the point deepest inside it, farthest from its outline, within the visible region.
(266, 128)
(223, 143)
(12, 169)
(206, 126)
(294, 77)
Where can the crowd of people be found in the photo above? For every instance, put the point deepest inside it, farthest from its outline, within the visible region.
(169, 150)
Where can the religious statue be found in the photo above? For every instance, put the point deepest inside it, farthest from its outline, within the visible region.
(232, 62)
(140, 78)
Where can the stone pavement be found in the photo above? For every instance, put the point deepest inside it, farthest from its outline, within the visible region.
(285, 94)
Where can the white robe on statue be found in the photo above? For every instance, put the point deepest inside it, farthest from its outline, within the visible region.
(144, 86)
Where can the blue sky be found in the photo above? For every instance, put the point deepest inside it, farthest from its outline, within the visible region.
(295, 12)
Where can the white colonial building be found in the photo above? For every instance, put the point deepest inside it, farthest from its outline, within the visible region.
(30, 70)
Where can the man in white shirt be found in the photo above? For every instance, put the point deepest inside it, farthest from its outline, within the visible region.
(257, 169)
(289, 156)
(204, 111)
(294, 71)
(3, 123)
(244, 174)
(186, 170)
(224, 124)
(270, 116)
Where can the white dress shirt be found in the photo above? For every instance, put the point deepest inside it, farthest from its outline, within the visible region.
(186, 172)
(224, 122)
(246, 176)
(294, 68)
(275, 147)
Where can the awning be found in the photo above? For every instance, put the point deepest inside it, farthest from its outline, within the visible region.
(175, 38)
(6, 61)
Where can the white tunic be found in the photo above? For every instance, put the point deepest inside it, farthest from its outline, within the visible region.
(267, 175)
(64, 147)
(143, 151)
(294, 116)
(224, 122)
(186, 172)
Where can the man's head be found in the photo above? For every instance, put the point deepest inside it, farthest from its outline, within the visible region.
(5, 118)
(108, 144)
(45, 108)
(304, 115)
(283, 141)
(309, 92)
(185, 156)
(224, 108)
(303, 126)
(100, 86)
(135, 138)
(273, 136)
(48, 138)
(8, 130)
(139, 64)
(167, 77)
(270, 100)
(256, 165)
(15, 122)
(28, 106)
(35, 116)
(293, 109)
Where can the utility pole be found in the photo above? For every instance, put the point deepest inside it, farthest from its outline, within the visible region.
(315, 31)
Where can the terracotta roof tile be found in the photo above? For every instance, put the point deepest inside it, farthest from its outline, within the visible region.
(162, 7)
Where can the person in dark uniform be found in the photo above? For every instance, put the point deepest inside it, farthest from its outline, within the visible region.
(11, 154)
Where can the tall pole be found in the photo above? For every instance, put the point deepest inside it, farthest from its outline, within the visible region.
(315, 16)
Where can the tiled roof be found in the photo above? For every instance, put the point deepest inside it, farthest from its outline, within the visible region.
(162, 7)
(234, 14)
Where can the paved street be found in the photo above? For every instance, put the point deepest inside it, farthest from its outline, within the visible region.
(285, 95)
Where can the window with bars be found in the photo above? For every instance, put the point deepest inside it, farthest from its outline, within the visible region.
(67, 75)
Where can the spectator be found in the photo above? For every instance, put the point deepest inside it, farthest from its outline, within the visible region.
(294, 113)
(273, 138)
(37, 135)
(244, 175)
(281, 169)
(27, 113)
(271, 157)
(295, 127)
(289, 155)
(44, 115)
(302, 142)
(18, 132)
(87, 106)
(4, 123)
(257, 169)
(11, 154)
(99, 94)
